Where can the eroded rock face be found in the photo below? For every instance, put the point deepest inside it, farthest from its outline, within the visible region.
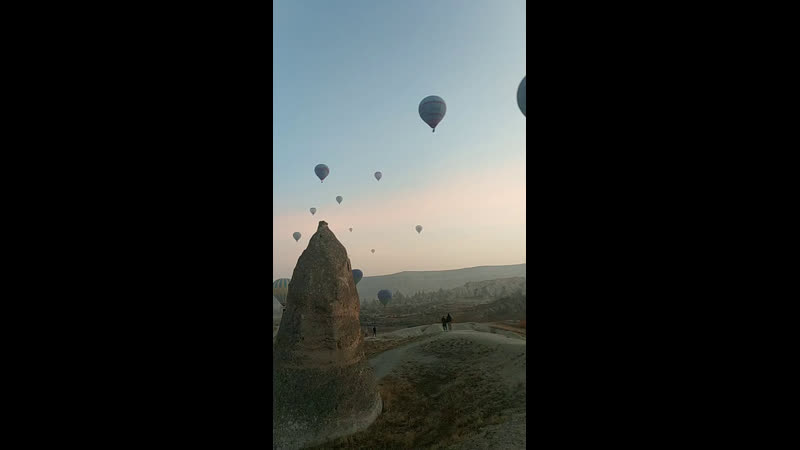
(322, 386)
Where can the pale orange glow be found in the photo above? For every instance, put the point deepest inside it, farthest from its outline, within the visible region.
(474, 218)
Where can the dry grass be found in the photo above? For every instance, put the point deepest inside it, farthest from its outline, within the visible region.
(423, 415)
(435, 407)
(374, 347)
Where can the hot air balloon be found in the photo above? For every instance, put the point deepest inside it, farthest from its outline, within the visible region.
(351, 230)
(378, 176)
(521, 96)
(357, 275)
(432, 110)
(384, 295)
(339, 199)
(322, 171)
(313, 210)
(419, 229)
(296, 235)
(280, 289)
(373, 250)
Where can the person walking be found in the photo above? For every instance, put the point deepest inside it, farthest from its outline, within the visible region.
(374, 332)
(449, 322)
(444, 323)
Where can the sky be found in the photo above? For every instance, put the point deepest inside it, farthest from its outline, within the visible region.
(348, 77)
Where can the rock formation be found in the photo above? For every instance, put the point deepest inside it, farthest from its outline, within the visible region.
(322, 386)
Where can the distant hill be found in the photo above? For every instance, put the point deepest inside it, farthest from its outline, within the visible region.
(410, 282)
(476, 301)
(472, 293)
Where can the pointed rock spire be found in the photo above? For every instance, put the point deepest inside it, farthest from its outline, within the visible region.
(323, 387)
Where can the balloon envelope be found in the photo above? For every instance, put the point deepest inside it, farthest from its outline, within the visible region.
(322, 171)
(378, 176)
(419, 229)
(339, 199)
(296, 236)
(280, 289)
(313, 210)
(357, 275)
(373, 250)
(432, 110)
(521, 97)
(384, 295)
(351, 230)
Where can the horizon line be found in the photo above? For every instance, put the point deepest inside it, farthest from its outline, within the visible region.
(441, 270)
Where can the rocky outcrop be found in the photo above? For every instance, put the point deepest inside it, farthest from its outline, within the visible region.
(322, 387)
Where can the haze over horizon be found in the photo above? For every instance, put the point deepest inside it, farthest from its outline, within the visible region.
(348, 77)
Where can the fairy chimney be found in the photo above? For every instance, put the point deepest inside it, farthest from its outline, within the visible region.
(322, 386)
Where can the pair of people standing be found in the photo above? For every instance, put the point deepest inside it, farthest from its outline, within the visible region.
(447, 322)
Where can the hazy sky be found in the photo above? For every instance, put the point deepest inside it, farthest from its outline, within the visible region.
(348, 77)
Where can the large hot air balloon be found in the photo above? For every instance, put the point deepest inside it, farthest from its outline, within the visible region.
(313, 210)
(280, 289)
(339, 199)
(419, 229)
(351, 230)
(322, 171)
(357, 275)
(373, 250)
(432, 110)
(378, 176)
(296, 235)
(384, 295)
(521, 97)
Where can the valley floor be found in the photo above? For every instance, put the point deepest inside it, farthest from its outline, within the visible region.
(460, 389)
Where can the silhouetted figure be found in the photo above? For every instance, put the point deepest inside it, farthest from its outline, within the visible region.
(449, 322)
(444, 323)
(374, 332)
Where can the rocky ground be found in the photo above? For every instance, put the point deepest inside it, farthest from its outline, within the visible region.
(462, 389)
